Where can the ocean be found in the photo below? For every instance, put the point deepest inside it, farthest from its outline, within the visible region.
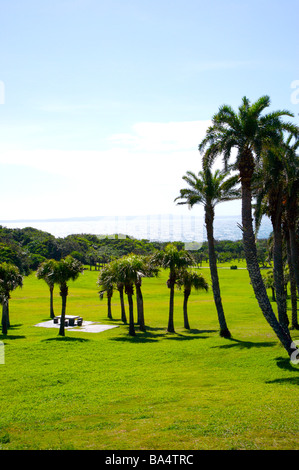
(169, 227)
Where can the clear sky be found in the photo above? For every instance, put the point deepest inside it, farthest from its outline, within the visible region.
(103, 103)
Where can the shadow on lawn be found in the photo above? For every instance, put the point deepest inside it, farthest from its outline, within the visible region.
(245, 344)
(285, 364)
(153, 334)
(67, 339)
(9, 335)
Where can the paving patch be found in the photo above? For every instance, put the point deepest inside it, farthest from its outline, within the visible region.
(87, 326)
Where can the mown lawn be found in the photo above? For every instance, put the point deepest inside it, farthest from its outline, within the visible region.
(185, 391)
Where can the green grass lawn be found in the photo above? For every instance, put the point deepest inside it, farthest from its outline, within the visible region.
(185, 391)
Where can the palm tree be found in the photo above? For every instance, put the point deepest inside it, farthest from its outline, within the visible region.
(106, 284)
(248, 131)
(209, 190)
(117, 280)
(127, 274)
(10, 279)
(174, 260)
(46, 271)
(188, 280)
(143, 267)
(66, 269)
(131, 269)
(268, 279)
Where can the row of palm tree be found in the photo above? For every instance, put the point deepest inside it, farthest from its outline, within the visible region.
(126, 274)
(265, 161)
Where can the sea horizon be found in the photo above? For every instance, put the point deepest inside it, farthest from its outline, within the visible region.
(159, 227)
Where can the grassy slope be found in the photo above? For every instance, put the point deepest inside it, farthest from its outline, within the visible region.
(189, 390)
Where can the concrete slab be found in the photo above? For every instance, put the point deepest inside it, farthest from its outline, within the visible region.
(87, 326)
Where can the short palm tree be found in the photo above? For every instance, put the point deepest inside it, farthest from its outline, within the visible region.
(128, 276)
(187, 280)
(10, 279)
(174, 260)
(268, 279)
(117, 280)
(106, 283)
(209, 190)
(66, 269)
(248, 132)
(46, 271)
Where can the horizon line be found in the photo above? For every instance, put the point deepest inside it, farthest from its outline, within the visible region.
(98, 217)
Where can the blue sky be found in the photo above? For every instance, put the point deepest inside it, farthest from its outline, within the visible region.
(105, 102)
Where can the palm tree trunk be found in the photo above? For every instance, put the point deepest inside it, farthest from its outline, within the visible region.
(278, 271)
(253, 266)
(63, 293)
(209, 220)
(129, 292)
(4, 316)
(170, 327)
(109, 306)
(52, 315)
(185, 310)
(122, 303)
(140, 308)
(7, 314)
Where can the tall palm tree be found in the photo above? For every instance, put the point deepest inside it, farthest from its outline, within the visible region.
(66, 269)
(248, 131)
(174, 260)
(46, 271)
(190, 279)
(209, 190)
(10, 279)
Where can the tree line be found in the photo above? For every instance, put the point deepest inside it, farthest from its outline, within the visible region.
(260, 166)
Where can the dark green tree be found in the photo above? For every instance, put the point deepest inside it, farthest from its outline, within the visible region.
(10, 279)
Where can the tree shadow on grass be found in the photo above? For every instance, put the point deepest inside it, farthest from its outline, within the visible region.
(148, 336)
(152, 335)
(66, 339)
(190, 335)
(285, 364)
(11, 337)
(245, 344)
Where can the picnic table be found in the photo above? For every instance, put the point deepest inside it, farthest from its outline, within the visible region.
(69, 320)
